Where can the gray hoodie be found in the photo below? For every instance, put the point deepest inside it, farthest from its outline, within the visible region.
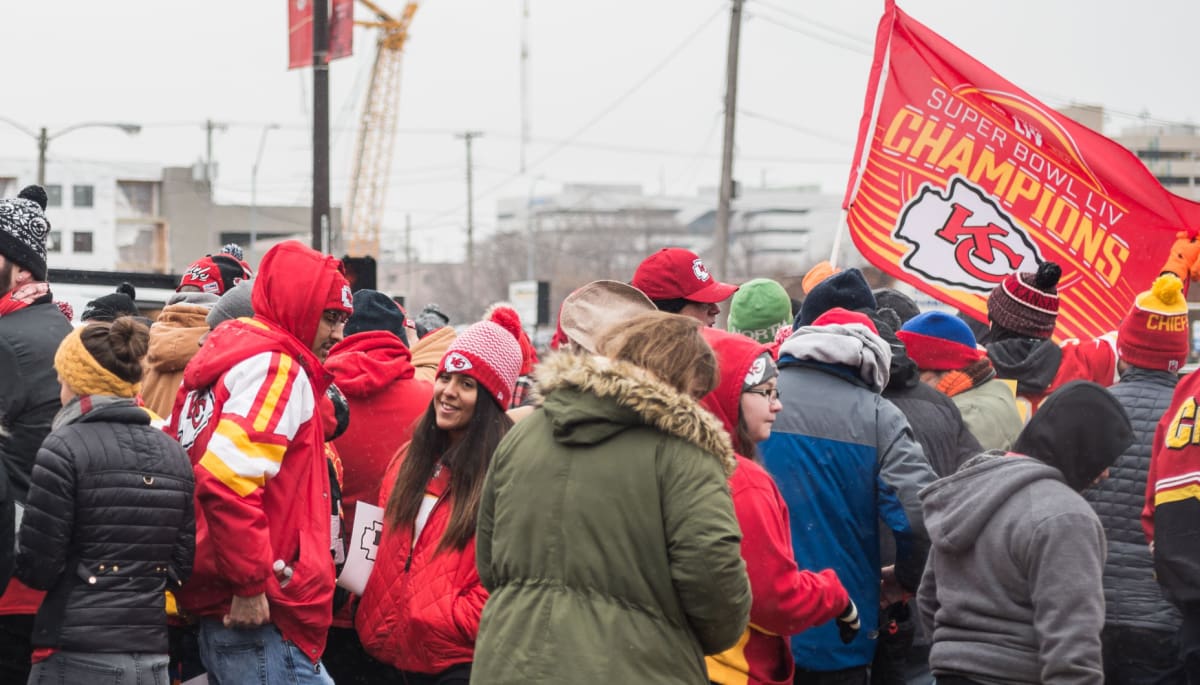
(1013, 588)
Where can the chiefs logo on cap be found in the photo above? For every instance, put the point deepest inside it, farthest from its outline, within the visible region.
(347, 297)
(456, 363)
(755, 374)
(700, 270)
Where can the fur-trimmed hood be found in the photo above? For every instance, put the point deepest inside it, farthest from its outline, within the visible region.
(588, 399)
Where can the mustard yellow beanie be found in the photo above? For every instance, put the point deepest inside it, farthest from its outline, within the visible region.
(84, 375)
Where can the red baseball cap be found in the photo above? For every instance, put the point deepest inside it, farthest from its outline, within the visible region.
(675, 273)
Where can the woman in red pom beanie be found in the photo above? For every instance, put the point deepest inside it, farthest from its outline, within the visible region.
(421, 607)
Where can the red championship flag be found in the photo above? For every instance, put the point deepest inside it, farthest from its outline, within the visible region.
(961, 178)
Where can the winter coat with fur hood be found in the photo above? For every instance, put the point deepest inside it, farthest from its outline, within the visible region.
(845, 458)
(174, 340)
(607, 536)
(786, 600)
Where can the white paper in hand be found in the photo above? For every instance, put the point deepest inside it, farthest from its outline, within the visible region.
(364, 543)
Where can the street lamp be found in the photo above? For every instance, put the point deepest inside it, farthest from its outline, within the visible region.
(43, 138)
(262, 143)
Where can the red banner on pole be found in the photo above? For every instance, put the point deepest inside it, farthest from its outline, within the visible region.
(300, 43)
(341, 29)
(961, 178)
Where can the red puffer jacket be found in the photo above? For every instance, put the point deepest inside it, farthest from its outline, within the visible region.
(420, 610)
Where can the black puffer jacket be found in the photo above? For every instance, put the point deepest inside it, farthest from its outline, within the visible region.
(109, 525)
(936, 421)
(1133, 597)
(937, 424)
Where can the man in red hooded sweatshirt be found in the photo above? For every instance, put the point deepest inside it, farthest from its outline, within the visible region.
(262, 586)
(373, 369)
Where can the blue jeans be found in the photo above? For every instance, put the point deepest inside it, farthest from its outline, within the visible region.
(260, 655)
(101, 669)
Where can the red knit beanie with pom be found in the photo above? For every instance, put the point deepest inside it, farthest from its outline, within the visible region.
(508, 318)
(490, 354)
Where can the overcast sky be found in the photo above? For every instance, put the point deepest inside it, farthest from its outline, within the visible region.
(624, 91)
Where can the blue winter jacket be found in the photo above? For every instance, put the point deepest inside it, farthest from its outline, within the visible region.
(844, 458)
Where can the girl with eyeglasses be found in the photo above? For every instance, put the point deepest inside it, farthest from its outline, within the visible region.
(785, 599)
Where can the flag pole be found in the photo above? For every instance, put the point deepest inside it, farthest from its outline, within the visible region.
(837, 238)
(865, 149)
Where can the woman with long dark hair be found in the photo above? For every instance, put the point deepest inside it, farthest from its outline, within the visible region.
(420, 610)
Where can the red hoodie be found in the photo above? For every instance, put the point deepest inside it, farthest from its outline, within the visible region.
(785, 600)
(247, 416)
(374, 370)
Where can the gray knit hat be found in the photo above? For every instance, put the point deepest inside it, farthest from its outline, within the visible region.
(23, 230)
(234, 304)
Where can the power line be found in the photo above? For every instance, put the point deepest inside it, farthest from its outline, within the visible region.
(787, 124)
(811, 34)
(812, 22)
(603, 112)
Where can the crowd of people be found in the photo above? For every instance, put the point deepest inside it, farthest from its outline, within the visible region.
(838, 489)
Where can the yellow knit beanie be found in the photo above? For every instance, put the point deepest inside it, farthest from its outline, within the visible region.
(84, 375)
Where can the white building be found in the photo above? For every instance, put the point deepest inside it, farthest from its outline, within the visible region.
(103, 216)
(771, 229)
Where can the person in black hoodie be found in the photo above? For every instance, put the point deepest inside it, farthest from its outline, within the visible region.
(1022, 313)
(31, 326)
(1013, 587)
(109, 523)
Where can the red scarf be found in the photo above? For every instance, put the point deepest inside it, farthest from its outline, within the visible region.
(23, 296)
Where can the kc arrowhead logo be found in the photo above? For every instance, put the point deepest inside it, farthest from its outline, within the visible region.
(456, 363)
(963, 238)
(700, 270)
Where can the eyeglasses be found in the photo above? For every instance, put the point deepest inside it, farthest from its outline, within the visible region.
(334, 318)
(772, 395)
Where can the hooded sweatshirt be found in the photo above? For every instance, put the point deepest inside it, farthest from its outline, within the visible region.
(373, 370)
(247, 418)
(174, 340)
(845, 458)
(1013, 590)
(1032, 362)
(785, 600)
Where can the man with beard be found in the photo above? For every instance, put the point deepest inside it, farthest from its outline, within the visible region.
(31, 327)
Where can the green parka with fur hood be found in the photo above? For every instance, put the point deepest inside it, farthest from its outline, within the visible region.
(607, 536)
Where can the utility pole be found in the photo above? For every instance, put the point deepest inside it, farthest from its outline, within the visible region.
(525, 113)
(468, 136)
(408, 258)
(320, 184)
(731, 74)
(43, 143)
(209, 127)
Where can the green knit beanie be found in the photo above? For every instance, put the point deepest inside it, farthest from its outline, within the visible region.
(758, 309)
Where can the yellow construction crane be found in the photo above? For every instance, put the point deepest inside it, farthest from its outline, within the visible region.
(376, 134)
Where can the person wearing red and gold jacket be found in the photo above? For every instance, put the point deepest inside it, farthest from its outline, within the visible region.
(1171, 516)
(785, 600)
(264, 578)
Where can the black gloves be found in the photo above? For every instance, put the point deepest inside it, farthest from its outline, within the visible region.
(848, 624)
